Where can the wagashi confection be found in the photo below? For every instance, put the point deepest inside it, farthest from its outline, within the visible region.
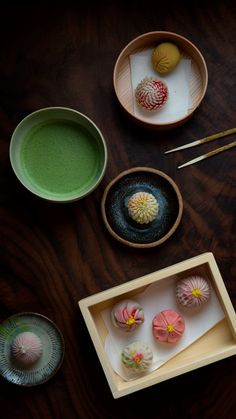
(127, 315)
(168, 326)
(165, 57)
(151, 94)
(193, 291)
(27, 348)
(137, 357)
(143, 207)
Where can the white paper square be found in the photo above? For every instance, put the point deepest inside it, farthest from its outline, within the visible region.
(177, 81)
(157, 297)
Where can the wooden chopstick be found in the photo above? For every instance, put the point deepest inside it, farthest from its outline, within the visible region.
(204, 140)
(210, 154)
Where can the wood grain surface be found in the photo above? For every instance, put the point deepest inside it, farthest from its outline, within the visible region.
(52, 255)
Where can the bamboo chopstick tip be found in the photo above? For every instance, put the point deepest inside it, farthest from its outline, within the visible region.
(171, 151)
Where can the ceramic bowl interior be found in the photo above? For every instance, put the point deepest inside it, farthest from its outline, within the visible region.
(58, 154)
(196, 83)
(115, 213)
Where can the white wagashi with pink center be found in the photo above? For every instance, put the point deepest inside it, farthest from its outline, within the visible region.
(127, 315)
(27, 348)
(143, 207)
(193, 291)
(137, 356)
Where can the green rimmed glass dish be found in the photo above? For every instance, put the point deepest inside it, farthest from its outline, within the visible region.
(52, 355)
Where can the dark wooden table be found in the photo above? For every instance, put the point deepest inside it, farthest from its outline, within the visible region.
(51, 256)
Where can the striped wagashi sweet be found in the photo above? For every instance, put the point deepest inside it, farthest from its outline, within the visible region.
(137, 356)
(151, 94)
(168, 326)
(143, 207)
(193, 291)
(127, 315)
(27, 348)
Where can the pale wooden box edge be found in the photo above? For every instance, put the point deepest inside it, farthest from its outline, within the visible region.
(86, 303)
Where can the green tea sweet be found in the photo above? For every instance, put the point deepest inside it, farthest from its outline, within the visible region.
(60, 157)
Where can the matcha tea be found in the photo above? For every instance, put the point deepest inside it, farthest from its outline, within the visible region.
(60, 158)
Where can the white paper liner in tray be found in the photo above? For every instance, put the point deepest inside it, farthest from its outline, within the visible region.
(157, 297)
(179, 100)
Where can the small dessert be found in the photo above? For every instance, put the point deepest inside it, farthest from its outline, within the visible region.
(151, 94)
(127, 315)
(193, 291)
(168, 326)
(137, 357)
(27, 348)
(143, 207)
(165, 57)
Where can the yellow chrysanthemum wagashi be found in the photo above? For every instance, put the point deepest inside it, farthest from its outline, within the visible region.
(143, 207)
(165, 57)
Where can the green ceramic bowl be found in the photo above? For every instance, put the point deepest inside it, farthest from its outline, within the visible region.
(58, 154)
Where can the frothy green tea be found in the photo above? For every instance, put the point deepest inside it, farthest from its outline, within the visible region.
(61, 158)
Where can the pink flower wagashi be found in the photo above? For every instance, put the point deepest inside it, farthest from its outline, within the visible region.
(193, 291)
(168, 326)
(127, 315)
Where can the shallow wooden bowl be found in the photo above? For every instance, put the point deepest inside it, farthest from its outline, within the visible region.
(198, 79)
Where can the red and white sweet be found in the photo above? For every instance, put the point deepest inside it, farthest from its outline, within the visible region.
(151, 94)
(27, 348)
(137, 357)
(168, 326)
(127, 315)
(193, 291)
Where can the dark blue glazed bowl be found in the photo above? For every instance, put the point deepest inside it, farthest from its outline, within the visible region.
(115, 212)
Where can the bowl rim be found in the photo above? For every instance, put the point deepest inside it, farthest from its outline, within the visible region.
(81, 115)
(204, 89)
(150, 170)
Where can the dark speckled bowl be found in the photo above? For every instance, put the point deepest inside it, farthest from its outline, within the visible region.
(115, 212)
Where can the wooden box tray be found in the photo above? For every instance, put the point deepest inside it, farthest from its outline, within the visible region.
(218, 343)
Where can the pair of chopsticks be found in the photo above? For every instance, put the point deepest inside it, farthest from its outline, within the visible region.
(205, 140)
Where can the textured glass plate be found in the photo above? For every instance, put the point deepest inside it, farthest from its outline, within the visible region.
(51, 358)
